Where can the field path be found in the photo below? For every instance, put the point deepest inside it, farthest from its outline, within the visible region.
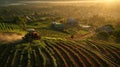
(81, 37)
(10, 37)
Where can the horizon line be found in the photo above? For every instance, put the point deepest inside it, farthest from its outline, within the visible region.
(67, 1)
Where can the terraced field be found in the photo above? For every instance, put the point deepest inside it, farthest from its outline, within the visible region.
(59, 53)
(5, 27)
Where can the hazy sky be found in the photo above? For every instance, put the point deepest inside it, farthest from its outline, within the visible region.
(67, 1)
(59, 0)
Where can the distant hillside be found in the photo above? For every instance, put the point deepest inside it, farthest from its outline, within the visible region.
(39, 0)
(10, 1)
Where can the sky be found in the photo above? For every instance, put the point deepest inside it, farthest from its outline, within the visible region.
(69, 1)
(59, 0)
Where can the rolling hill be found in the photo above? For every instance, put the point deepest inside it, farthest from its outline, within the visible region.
(59, 53)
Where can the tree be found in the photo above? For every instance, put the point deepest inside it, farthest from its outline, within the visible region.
(117, 35)
(103, 35)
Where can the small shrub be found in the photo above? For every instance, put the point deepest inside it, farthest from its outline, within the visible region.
(112, 38)
(117, 35)
(103, 35)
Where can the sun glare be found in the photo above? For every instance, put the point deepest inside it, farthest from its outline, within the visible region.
(107, 3)
(107, 0)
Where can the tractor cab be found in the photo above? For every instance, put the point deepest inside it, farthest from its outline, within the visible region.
(31, 35)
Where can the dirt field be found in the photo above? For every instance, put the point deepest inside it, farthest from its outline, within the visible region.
(10, 37)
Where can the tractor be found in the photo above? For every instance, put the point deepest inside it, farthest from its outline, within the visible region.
(31, 35)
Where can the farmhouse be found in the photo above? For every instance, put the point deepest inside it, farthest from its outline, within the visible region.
(58, 26)
(106, 28)
(85, 27)
(71, 22)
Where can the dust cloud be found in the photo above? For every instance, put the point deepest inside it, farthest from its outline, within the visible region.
(10, 37)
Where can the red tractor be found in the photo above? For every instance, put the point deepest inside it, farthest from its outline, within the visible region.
(31, 35)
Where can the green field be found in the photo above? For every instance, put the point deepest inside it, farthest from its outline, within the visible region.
(59, 53)
(57, 48)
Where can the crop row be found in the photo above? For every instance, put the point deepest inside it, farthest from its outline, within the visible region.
(5, 27)
(59, 53)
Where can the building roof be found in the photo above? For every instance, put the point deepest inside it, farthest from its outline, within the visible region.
(30, 30)
(107, 28)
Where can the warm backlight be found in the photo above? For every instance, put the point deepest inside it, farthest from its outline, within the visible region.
(107, 0)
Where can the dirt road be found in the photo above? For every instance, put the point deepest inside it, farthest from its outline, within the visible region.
(81, 37)
(10, 37)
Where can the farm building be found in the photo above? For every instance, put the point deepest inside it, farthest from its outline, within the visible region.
(28, 18)
(58, 26)
(85, 27)
(71, 22)
(106, 28)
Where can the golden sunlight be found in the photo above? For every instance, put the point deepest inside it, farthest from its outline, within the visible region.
(107, 0)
